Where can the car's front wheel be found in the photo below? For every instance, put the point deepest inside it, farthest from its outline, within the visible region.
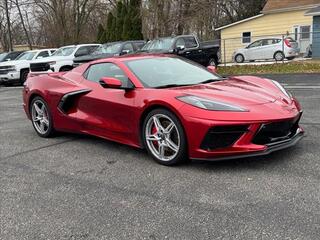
(41, 117)
(239, 58)
(279, 56)
(164, 137)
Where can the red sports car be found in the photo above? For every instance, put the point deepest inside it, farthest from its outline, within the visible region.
(174, 108)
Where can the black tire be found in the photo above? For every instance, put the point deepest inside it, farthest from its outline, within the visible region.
(23, 76)
(50, 129)
(213, 62)
(239, 58)
(181, 155)
(252, 61)
(278, 56)
(291, 58)
(65, 69)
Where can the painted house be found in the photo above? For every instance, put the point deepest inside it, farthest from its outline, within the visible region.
(278, 18)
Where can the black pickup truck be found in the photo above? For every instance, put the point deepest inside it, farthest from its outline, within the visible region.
(188, 46)
(109, 50)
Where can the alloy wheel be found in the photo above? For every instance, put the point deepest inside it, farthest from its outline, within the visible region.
(162, 137)
(40, 117)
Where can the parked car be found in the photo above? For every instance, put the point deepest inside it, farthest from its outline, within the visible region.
(172, 107)
(268, 48)
(62, 59)
(16, 71)
(188, 46)
(9, 56)
(110, 50)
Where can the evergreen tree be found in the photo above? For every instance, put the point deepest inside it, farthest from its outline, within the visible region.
(108, 31)
(119, 21)
(101, 36)
(135, 20)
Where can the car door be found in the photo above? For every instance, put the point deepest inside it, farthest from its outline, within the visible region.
(107, 112)
(254, 51)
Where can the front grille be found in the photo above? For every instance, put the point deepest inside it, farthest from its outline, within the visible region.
(222, 136)
(39, 67)
(277, 131)
(3, 71)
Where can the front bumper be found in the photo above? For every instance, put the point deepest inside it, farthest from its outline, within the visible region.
(270, 148)
(10, 77)
(259, 138)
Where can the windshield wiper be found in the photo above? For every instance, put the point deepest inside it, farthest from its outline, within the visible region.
(173, 85)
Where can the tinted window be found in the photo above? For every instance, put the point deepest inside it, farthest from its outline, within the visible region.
(180, 43)
(190, 42)
(52, 51)
(157, 72)
(256, 44)
(266, 42)
(246, 37)
(97, 71)
(43, 54)
(138, 45)
(111, 48)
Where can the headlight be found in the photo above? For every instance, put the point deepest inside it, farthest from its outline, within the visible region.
(284, 91)
(210, 104)
(52, 63)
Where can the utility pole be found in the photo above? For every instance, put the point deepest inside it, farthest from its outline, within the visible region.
(9, 25)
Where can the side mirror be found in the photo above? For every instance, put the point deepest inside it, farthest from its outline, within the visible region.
(212, 69)
(109, 82)
(180, 48)
(124, 52)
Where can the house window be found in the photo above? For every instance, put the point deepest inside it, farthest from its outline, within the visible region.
(246, 37)
(305, 32)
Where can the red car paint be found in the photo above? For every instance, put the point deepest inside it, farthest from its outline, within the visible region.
(117, 115)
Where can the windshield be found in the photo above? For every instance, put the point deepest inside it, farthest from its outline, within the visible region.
(109, 48)
(159, 44)
(164, 71)
(2, 56)
(65, 51)
(26, 56)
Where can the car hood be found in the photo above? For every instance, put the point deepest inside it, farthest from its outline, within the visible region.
(13, 63)
(88, 58)
(237, 91)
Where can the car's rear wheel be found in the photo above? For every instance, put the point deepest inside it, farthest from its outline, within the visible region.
(65, 69)
(41, 117)
(279, 56)
(164, 137)
(239, 58)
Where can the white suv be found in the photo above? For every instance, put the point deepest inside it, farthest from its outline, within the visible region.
(16, 71)
(268, 48)
(62, 59)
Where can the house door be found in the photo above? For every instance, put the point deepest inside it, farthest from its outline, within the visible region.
(302, 35)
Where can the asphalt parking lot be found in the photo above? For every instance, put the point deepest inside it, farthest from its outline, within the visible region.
(80, 187)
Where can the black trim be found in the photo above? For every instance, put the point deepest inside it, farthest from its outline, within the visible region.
(67, 100)
(271, 148)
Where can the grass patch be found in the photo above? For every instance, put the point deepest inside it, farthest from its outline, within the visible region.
(276, 68)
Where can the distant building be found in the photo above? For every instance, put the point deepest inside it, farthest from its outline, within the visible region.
(278, 18)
